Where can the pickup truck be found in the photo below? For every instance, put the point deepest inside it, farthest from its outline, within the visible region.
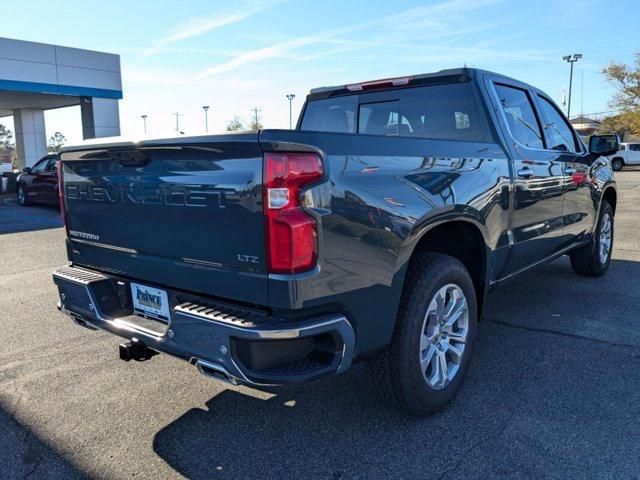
(373, 231)
(628, 154)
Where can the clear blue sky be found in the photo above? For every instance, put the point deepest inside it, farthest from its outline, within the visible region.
(180, 55)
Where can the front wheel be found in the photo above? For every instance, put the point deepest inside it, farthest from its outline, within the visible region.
(22, 196)
(423, 368)
(594, 258)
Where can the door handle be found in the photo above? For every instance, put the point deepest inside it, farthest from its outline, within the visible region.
(525, 172)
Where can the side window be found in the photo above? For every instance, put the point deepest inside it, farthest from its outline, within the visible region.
(521, 117)
(40, 166)
(559, 132)
(52, 166)
(634, 147)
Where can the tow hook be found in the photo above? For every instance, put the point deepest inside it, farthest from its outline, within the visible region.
(135, 350)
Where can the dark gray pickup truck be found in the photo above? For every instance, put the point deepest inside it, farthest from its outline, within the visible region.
(371, 232)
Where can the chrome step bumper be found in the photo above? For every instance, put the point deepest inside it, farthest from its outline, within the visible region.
(227, 342)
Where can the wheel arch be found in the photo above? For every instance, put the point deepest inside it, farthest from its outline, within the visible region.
(469, 246)
(610, 195)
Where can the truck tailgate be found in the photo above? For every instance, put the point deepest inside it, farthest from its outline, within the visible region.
(187, 216)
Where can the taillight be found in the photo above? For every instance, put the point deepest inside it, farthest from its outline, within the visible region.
(63, 207)
(292, 238)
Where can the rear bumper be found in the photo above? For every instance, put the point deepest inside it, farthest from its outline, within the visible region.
(224, 341)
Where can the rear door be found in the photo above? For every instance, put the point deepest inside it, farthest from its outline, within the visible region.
(578, 209)
(536, 224)
(185, 216)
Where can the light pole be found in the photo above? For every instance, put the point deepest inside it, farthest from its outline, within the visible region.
(571, 59)
(178, 115)
(144, 122)
(256, 119)
(290, 97)
(206, 117)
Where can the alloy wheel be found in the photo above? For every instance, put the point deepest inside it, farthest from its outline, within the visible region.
(444, 336)
(605, 238)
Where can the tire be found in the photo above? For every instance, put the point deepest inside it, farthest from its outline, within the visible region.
(594, 259)
(398, 371)
(23, 200)
(617, 164)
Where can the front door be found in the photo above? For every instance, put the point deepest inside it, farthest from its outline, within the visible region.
(36, 190)
(536, 223)
(633, 154)
(50, 182)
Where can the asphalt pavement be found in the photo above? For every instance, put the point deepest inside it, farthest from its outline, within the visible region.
(553, 390)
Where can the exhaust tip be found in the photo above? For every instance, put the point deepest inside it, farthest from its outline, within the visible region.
(78, 320)
(217, 372)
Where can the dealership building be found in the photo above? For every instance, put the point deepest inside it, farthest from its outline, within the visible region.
(35, 77)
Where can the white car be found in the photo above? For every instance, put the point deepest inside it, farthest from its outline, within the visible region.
(629, 154)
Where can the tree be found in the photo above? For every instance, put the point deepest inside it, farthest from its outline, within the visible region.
(234, 125)
(256, 125)
(56, 142)
(7, 147)
(625, 123)
(626, 81)
(6, 137)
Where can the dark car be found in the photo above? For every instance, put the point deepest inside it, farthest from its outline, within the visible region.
(39, 184)
(371, 232)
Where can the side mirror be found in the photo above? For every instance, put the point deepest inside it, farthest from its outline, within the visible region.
(27, 170)
(604, 145)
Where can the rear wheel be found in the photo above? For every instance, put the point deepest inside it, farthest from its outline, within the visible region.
(593, 259)
(22, 196)
(423, 368)
(617, 164)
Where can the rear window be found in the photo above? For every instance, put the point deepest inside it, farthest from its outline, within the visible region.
(336, 115)
(446, 112)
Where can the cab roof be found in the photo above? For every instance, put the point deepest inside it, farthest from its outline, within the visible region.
(452, 75)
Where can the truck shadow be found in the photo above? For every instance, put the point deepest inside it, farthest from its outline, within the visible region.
(337, 427)
(300, 432)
